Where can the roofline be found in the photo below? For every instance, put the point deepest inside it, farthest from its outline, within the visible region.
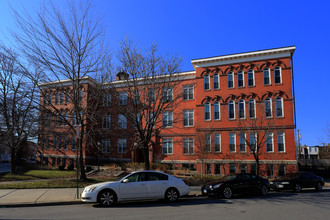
(245, 54)
(84, 79)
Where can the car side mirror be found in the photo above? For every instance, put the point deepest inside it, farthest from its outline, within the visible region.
(125, 181)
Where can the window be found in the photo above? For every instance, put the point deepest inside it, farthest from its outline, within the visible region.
(216, 84)
(122, 146)
(242, 142)
(47, 143)
(253, 142)
(270, 170)
(280, 142)
(253, 169)
(66, 118)
(241, 109)
(67, 94)
(207, 82)
(217, 111)
(240, 79)
(188, 146)
(250, 75)
(105, 146)
(188, 118)
(207, 168)
(268, 107)
(107, 99)
(137, 120)
(54, 143)
(230, 80)
(123, 98)
(74, 119)
(231, 109)
(45, 98)
(122, 121)
(232, 168)
(277, 75)
(136, 97)
(56, 98)
(266, 76)
(80, 95)
(281, 170)
(49, 99)
(207, 141)
(106, 122)
(59, 143)
(217, 142)
(188, 92)
(151, 95)
(252, 108)
(243, 168)
(279, 107)
(168, 146)
(168, 119)
(73, 143)
(232, 142)
(64, 143)
(168, 94)
(269, 142)
(217, 168)
(207, 111)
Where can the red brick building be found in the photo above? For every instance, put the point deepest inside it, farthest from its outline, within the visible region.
(220, 98)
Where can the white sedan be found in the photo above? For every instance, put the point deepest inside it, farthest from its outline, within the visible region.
(137, 186)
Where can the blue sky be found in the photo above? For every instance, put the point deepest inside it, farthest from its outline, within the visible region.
(197, 29)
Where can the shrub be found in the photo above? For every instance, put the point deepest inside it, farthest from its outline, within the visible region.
(61, 167)
(88, 169)
(70, 167)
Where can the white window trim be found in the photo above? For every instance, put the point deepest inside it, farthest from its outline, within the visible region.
(239, 139)
(193, 118)
(234, 143)
(167, 146)
(255, 109)
(219, 135)
(271, 107)
(284, 150)
(280, 75)
(168, 113)
(231, 101)
(193, 146)
(269, 75)
(218, 104)
(282, 116)
(238, 73)
(218, 81)
(207, 76)
(244, 116)
(209, 105)
(210, 141)
(253, 78)
(272, 136)
(187, 89)
(256, 141)
(120, 141)
(231, 73)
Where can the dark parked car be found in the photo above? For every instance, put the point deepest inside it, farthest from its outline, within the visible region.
(297, 181)
(236, 184)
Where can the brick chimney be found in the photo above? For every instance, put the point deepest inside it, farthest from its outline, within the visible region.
(121, 76)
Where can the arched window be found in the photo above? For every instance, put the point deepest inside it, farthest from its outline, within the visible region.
(250, 75)
(231, 109)
(252, 108)
(62, 98)
(266, 76)
(240, 78)
(230, 80)
(277, 75)
(217, 111)
(216, 84)
(207, 82)
(279, 107)
(56, 98)
(207, 111)
(241, 109)
(268, 107)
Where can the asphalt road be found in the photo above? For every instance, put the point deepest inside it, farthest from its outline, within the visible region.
(306, 205)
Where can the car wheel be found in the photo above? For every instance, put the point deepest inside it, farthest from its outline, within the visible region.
(264, 190)
(297, 188)
(172, 195)
(318, 187)
(106, 198)
(227, 193)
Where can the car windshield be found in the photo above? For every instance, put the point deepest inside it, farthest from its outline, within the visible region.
(288, 176)
(229, 177)
(122, 175)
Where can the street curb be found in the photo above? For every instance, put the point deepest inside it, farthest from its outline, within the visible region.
(41, 204)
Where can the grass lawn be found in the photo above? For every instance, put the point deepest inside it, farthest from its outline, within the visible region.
(36, 174)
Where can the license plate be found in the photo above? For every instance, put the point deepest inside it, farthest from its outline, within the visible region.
(279, 186)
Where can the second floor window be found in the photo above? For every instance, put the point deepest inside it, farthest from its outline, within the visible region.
(266, 73)
(277, 75)
(269, 142)
(136, 97)
(188, 92)
(207, 142)
(252, 108)
(253, 142)
(216, 84)
(207, 111)
(207, 82)
(217, 142)
(168, 94)
(241, 109)
(231, 109)
(167, 146)
(122, 146)
(217, 111)
(123, 98)
(280, 142)
(240, 78)
(279, 107)
(188, 146)
(151, 95)
(107, 99)
(168, 119)
(230, 80)
(122, 121)
(188, 118)
(268, 107)
(232, 142)
(105, 145)
(242, 142)
(106, 122)
(250, 75)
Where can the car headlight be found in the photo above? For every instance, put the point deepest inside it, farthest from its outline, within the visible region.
(271, 182)
(88, 190)
(285, 183)
(217, 186)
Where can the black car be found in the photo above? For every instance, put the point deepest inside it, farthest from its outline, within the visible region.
(236, 184)
(297, 181)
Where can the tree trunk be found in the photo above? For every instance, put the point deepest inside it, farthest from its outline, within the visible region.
(146, 157)
(81, 157)
(12, 161)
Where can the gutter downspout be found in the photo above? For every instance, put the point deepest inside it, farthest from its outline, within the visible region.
(294, 111)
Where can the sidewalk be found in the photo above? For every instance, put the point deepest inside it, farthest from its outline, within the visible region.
(58, 196)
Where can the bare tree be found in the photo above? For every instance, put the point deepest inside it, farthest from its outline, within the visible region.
(203, 148)
(259, 131)
(18, 110)
(147, 92)
(68, 45)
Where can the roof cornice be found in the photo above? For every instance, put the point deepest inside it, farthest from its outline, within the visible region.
(244, 57)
